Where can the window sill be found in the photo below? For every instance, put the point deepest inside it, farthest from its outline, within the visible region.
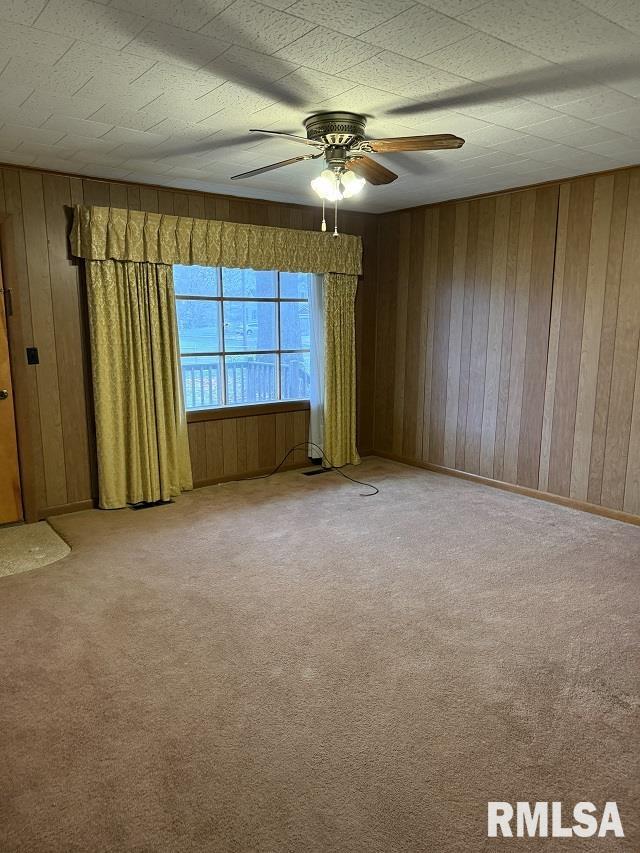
(251, 410)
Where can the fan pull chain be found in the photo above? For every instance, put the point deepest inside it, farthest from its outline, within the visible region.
(323, 227)
(335, 217)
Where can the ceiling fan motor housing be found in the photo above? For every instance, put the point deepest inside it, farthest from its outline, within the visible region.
(336, 128)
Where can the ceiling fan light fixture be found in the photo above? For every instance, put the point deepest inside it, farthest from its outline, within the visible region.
(351, 184)
(326, 186)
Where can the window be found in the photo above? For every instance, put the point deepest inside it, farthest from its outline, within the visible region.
(244, 335)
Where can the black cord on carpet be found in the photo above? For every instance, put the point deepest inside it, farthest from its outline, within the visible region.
(329, 465)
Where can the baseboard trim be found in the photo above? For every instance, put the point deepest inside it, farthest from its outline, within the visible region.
(78, 506)
(62, 509)
(248, 475)
(572, 503)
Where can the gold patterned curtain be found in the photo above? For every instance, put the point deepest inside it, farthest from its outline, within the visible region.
(133, 235)
(142, 438)
(340, 369)
(141, 428)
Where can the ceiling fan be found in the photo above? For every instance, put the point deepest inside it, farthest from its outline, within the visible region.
(339, 138)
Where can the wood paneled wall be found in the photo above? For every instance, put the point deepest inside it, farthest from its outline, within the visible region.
(497, 336)
(507, 338)
(248, 445)
(591, 435)
(53, 400)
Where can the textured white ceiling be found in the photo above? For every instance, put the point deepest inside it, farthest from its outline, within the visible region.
(164, 91)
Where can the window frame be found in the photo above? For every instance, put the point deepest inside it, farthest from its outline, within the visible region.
(227, 410)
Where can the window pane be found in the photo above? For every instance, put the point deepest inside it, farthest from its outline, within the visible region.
(295, 375)
(251, 378)
(294, 325)
(294, 285)
(250, 283)
(202, 381)
(198, 325)
(250, 326)
(195, 281)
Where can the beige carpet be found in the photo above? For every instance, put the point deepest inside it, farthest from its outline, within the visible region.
(283, 666)
(29, 546)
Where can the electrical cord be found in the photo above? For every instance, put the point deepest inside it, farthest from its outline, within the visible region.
(329, 465)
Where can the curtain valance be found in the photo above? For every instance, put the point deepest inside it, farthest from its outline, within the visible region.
(101, 233)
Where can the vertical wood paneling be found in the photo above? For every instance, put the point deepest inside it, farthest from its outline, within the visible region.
(253, 448)
(554, 336)
(430, 274)
(388, 231)
(519, 336)
(273, 215)
(230, 447)
(267, 442)
(235, 447)
(241, 445)
(421, 332)
(576, 261)
(77, 191)
(165, 201)
(35, 236)
(479, 334)
(413, 377)
(222, 208)
(289, 437)
(239, 210)
(632, 482)
(133, 197)
(214, 460)
(529, 343)
(608, 334)
(300, 434)
(53, 400)
(494, 335)
(67, 317)
(465, 343)
(507, 336)
(442, 311)
(366, 298)
(198, 448)
(149, 199)
(118, 196)
(625, 359)
(402, 292)
(455, 334)
(96, 192)
(282, 441)
(196, 205)
(537, 343)
(181, 205)
(480, 352)
(591, 335)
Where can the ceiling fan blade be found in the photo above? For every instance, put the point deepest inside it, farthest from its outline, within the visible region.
(275, 166)
(210, 55)
(373, 172)
(532, 83)
(289, 136)
(434, 142)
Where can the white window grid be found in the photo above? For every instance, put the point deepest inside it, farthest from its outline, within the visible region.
(222, 354)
